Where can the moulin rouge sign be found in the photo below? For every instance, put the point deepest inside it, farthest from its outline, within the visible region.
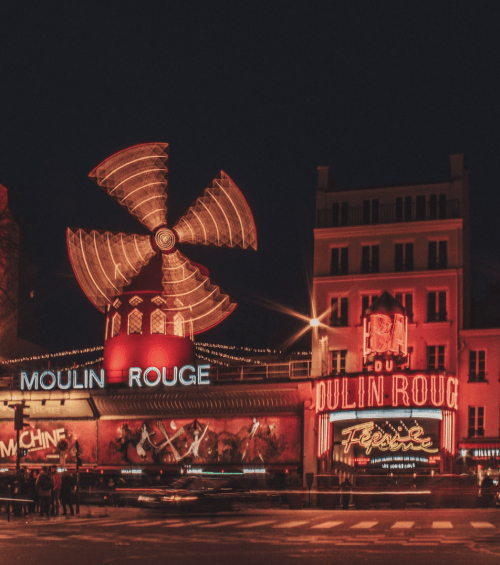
(377, 391)
(151, 377)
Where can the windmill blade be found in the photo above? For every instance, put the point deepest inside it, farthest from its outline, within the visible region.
(137, 178)
(220, 217)
(105, 262)
(193, 303)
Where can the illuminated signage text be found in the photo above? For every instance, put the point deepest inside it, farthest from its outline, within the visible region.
(363, 434)
(377, 391)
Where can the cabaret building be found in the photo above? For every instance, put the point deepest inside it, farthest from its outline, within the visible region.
(402, 382)
(160, 400)
(399, 381)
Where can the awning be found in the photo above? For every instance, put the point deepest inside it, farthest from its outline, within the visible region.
(189, 403)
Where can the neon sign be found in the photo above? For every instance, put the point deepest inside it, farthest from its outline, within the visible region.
(151, 377)
(377, 391)
(363, 435)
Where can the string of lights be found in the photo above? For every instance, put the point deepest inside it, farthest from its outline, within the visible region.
(237, 347)
(85, 364)
(216, 361)
(232, 357)
(52, 355)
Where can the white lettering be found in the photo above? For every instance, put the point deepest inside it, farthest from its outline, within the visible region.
(134, 374)
(192, 376)
(202, 374)
(147, 382)
(52, 382)
(29, 384)
(59, 381)
(94, 377)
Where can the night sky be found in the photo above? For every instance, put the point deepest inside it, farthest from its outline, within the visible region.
(382, 92)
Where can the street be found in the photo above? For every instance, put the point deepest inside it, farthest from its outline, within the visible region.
(277, 536)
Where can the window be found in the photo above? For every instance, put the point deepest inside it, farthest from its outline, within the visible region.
(339, 261)
(477, 366)
(435, 356)
(438, 254)
(339, 312)
(115, 326)
(403, 209)
(366, 301)
(338, 361)
(437, 207)
(406, 300)
(403, 257)
(340, 214)
(436, 306)
(371, 211)
(158, 319)
(476, 421)
(135, 322)
(420, 210)
(370, 259)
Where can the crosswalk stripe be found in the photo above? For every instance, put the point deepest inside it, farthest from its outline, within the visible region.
(442, 525)
(217, 524)
(193, 523)
(364, 525)
(257, 524)
(326, 525)
(290, 524)
(402, 525)
(482, 525)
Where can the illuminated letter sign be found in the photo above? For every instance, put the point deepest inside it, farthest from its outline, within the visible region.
(394, 390)
(186, 376)
(363, 435)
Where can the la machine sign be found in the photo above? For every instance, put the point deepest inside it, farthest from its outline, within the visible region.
(396, 390)
(188, 375)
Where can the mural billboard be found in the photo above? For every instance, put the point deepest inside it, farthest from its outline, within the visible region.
(49, 442)
(240, 440)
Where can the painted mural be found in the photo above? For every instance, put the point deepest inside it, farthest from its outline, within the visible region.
(258, 440)
(49, 442)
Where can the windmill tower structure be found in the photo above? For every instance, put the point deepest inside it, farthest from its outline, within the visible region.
(154, 297)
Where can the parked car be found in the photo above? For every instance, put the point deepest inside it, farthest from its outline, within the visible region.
(195, 494)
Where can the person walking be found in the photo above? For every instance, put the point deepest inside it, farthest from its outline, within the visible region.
(346, 487)
(67, 484)
(44, 486)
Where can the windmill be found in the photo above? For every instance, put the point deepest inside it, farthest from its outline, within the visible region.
(154, 297)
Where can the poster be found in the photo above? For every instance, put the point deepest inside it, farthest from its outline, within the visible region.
(240, 440)
(49, 442)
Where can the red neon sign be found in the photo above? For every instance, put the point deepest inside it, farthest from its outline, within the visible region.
(396, 390)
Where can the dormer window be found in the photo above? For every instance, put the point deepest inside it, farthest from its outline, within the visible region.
(135, 322)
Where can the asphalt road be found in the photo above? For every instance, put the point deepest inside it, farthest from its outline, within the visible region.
(257, 537)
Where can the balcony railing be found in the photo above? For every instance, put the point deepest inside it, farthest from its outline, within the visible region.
(387, 214)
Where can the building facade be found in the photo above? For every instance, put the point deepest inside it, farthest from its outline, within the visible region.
(411, 242)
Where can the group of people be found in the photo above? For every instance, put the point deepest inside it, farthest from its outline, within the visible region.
(49, 490)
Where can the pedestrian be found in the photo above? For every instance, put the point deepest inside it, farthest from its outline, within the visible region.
(67, 484)
(346, 487)
(486, 494)
(44, 486)
(31, 492)
(56, 492)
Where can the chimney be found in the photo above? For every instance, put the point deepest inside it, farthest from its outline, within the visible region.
(457, 166)
(326, 182)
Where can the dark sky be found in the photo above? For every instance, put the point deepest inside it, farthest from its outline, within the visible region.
(382, 92)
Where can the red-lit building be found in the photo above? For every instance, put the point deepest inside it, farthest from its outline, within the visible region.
(412, 242)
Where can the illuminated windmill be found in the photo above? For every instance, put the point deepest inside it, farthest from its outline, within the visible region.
(154, 297)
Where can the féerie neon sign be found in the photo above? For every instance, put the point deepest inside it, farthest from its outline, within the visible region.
(363, 435)
(151, 377)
